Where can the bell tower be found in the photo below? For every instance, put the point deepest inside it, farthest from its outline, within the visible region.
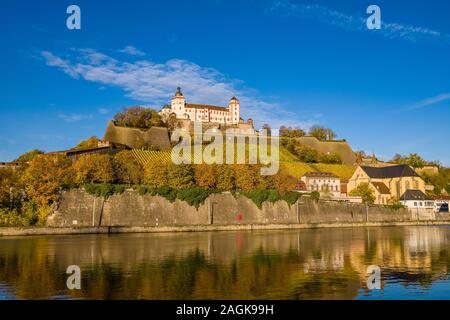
(234, 107)
(178, 103)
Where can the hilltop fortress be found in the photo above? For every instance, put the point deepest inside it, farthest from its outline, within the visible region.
(202, 112)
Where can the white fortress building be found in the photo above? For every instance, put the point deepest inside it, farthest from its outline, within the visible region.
(202, 112)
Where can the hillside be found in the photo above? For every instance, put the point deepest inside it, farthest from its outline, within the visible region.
(289, 162)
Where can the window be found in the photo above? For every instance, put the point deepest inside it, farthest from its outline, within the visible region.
(415, 204)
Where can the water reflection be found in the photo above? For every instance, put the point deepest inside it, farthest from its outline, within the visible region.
(303, 264)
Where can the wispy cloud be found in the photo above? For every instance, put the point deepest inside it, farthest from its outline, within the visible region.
(392, 30)
(430, 101)
(154, 83)
(74, 117)
(103, 111)
(132, 51)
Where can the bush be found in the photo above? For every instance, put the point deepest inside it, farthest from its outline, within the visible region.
(397, 205)
(291, 197)
(258, 196)
(315, 195)
(167, 192)
(194, 196)
(104, 190)
(28, 214)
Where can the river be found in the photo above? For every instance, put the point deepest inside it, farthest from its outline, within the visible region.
(296, 264)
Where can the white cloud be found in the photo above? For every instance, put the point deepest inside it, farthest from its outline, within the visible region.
(74, 117)
(132, 51)
(103, 111)
(352, 23)
(154, 84)
(430, 101)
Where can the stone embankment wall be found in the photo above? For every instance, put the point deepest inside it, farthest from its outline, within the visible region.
(79, 209)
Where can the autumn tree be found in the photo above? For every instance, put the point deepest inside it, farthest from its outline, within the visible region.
(364, 191)
(28, 156)
(155, 174)
(225, 178)
(138, 117)
(181, 176)
(127, 169)
(289, 132)
(45, 176)
(90, 143)
(94, 168)
(10, 188)
(322, 133)
(205, 175)
(246, 176)
(284, 182)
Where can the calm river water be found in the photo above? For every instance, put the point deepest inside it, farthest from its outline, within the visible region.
(300, 264)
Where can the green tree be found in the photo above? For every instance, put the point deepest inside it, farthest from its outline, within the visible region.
(306, 154)
(364, 191)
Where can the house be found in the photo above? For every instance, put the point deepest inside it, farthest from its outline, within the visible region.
(11, 165)
(326, 183)
(202, 112)
(416, 199)
(388, 183)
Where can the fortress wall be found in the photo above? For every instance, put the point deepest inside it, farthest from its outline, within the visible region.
(77, 208)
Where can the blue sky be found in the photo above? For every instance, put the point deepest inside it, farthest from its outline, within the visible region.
(290, 62)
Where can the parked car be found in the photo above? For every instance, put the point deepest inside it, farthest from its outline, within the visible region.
(444, 207)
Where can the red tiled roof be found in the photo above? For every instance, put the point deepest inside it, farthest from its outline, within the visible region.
(205, 106)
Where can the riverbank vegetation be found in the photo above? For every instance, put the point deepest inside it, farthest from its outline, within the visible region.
(28, 193)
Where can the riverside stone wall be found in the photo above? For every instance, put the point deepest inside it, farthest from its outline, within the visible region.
(77, 208)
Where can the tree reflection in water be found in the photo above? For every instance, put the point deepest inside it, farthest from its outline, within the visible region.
(301, 264)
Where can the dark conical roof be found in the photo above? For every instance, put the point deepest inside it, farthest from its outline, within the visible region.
(178, 93)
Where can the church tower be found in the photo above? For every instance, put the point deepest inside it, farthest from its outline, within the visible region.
(234, 108)
(178, 103)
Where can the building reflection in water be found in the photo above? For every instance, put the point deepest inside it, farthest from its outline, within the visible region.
(300, 264)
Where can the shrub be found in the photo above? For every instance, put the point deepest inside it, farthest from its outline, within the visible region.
(194, 196)
(167, 192)
(315, 195)
(291, 197)
(258, 196)
(104, 190)
(364, 191)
